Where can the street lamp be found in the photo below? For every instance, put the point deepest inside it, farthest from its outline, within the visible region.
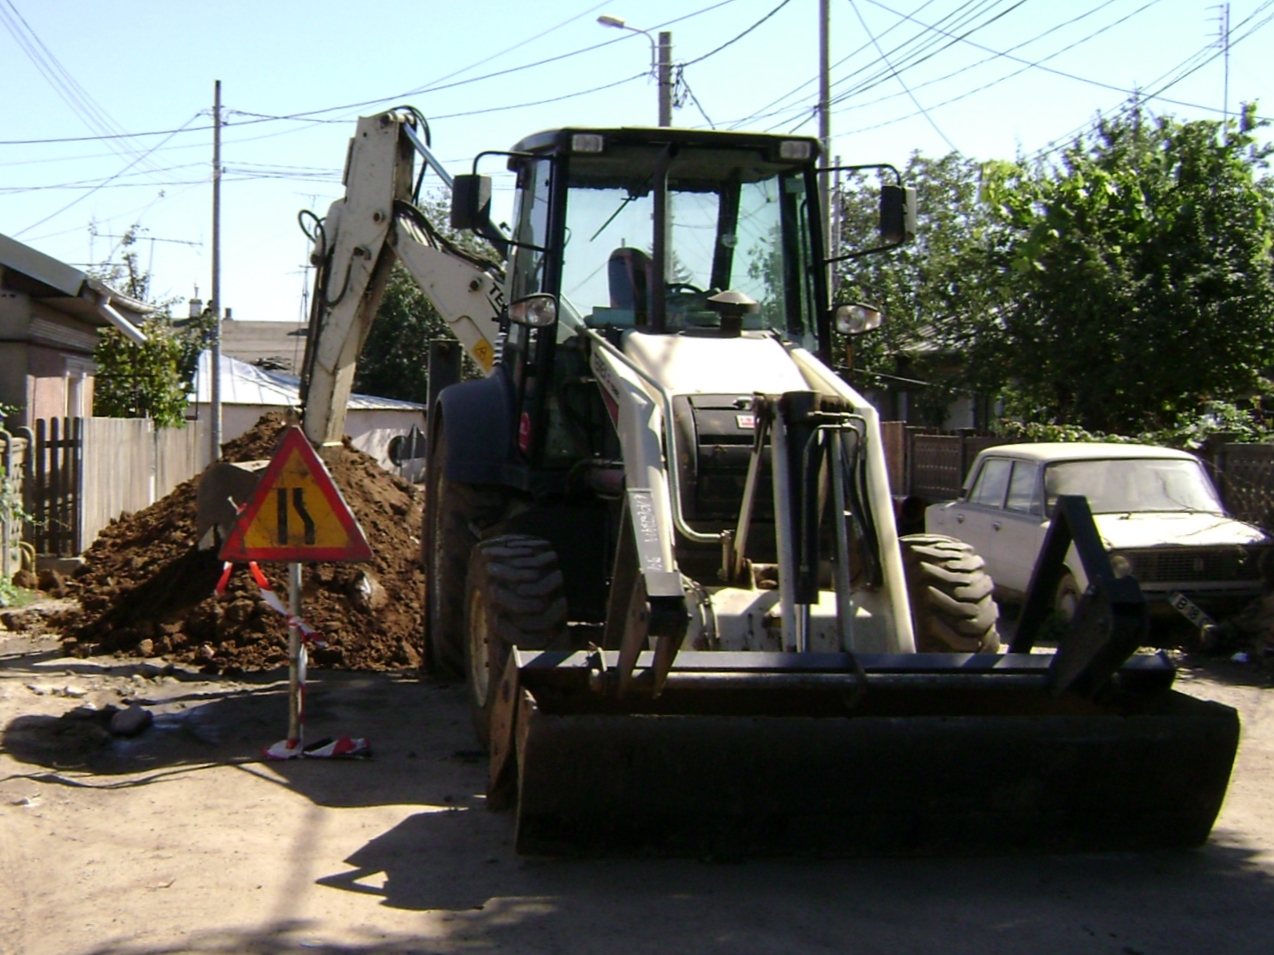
(662, 67)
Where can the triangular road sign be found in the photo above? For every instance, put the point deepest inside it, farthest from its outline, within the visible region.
(296, 513)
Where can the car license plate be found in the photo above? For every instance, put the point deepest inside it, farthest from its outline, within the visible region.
(1190, 610)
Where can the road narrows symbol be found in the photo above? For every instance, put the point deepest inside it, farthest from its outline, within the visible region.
(311, 523)
(281, 495)
(298, 502)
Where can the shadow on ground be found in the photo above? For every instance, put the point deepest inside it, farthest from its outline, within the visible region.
(423, 747)
(1119, 904)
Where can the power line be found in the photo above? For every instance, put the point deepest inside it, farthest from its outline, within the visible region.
(432, 87)
(921, 50)
(96, 188)
(81, 102)
(736, 39)
(1039, 36)
(906, 89)
(914, 50)
(541, 102)
(1188, 66)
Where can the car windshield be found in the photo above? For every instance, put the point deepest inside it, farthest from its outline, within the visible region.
(1126, 485)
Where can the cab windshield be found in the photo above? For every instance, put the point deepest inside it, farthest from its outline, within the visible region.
(736, 221)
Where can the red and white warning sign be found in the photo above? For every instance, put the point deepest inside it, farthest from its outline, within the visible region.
(296, 513)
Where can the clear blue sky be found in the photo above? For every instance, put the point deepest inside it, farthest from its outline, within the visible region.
(954, 74)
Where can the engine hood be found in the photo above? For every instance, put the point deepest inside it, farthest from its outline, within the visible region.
(714, 365)
(1191, 529)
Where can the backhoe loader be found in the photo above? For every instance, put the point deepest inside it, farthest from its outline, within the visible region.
(659, 540)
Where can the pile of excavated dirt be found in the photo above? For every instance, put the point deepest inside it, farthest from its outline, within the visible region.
(146, 590)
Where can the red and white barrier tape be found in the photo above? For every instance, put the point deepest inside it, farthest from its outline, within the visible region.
(291, 748)
(308, 633)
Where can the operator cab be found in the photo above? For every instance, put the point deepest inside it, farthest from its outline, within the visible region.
(647, 228)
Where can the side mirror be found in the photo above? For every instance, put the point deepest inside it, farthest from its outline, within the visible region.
(897, 214)
(857, 318)
(470, 202)
(534, 311)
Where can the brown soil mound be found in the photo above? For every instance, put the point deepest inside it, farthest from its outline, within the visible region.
(146, 590)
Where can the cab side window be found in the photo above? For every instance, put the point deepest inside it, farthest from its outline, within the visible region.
(1024, 489)
(992, 483)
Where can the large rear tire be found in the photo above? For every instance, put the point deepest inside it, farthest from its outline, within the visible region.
(950, 593)
(456, 515)
(515, 599)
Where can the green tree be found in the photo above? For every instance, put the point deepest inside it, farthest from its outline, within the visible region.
(394, 362)
(151, 379)
(928, 289)
(1139, 272)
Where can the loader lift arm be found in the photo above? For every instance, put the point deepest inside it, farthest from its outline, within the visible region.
(355, 247)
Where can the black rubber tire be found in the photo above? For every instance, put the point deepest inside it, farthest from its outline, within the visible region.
(456, 516)
(514, 598)
(950, 594)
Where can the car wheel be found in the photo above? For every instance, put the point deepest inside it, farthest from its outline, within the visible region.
(950, 595)
(1066, 601)
(455, 516)
(515, 599)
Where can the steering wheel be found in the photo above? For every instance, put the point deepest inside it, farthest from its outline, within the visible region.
(684, 288)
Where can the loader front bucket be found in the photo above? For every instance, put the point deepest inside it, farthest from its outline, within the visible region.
(755, 754)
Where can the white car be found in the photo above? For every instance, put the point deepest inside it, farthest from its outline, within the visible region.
(1156, 510)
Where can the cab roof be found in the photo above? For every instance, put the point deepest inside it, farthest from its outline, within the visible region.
(559, 140)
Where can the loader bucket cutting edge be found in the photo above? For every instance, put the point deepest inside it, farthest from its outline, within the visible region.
(999, 766)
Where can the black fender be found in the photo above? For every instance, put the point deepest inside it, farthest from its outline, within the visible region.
(477, 417)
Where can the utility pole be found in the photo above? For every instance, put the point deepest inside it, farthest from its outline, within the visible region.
(1225, 40)
(665, 78)
(824, 116)
(215, 304)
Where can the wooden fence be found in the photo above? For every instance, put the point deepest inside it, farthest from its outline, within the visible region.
(54, 490)
(935, 465)
(84, 472)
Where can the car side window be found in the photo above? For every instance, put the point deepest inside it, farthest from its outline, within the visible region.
(992, 482)
(1024, 489)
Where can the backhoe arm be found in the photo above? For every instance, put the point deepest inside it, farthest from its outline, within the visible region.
(356, 246)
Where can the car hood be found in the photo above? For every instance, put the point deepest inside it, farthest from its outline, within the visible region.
(1192, 529)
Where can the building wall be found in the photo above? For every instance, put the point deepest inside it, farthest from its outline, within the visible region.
(58, 383)
(46, 360)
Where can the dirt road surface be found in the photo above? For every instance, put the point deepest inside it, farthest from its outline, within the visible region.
(182, 840)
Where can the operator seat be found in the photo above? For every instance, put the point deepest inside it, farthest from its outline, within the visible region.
(628, 275)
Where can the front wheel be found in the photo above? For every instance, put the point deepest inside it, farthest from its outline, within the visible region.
(514, 598)
(950, 595)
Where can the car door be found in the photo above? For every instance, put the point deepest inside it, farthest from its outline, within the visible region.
(977, 514)
(1018, 532)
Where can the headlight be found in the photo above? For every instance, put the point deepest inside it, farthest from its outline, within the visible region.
(1120, 565)
(587, 143)
(857, 318)
(537, 311)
